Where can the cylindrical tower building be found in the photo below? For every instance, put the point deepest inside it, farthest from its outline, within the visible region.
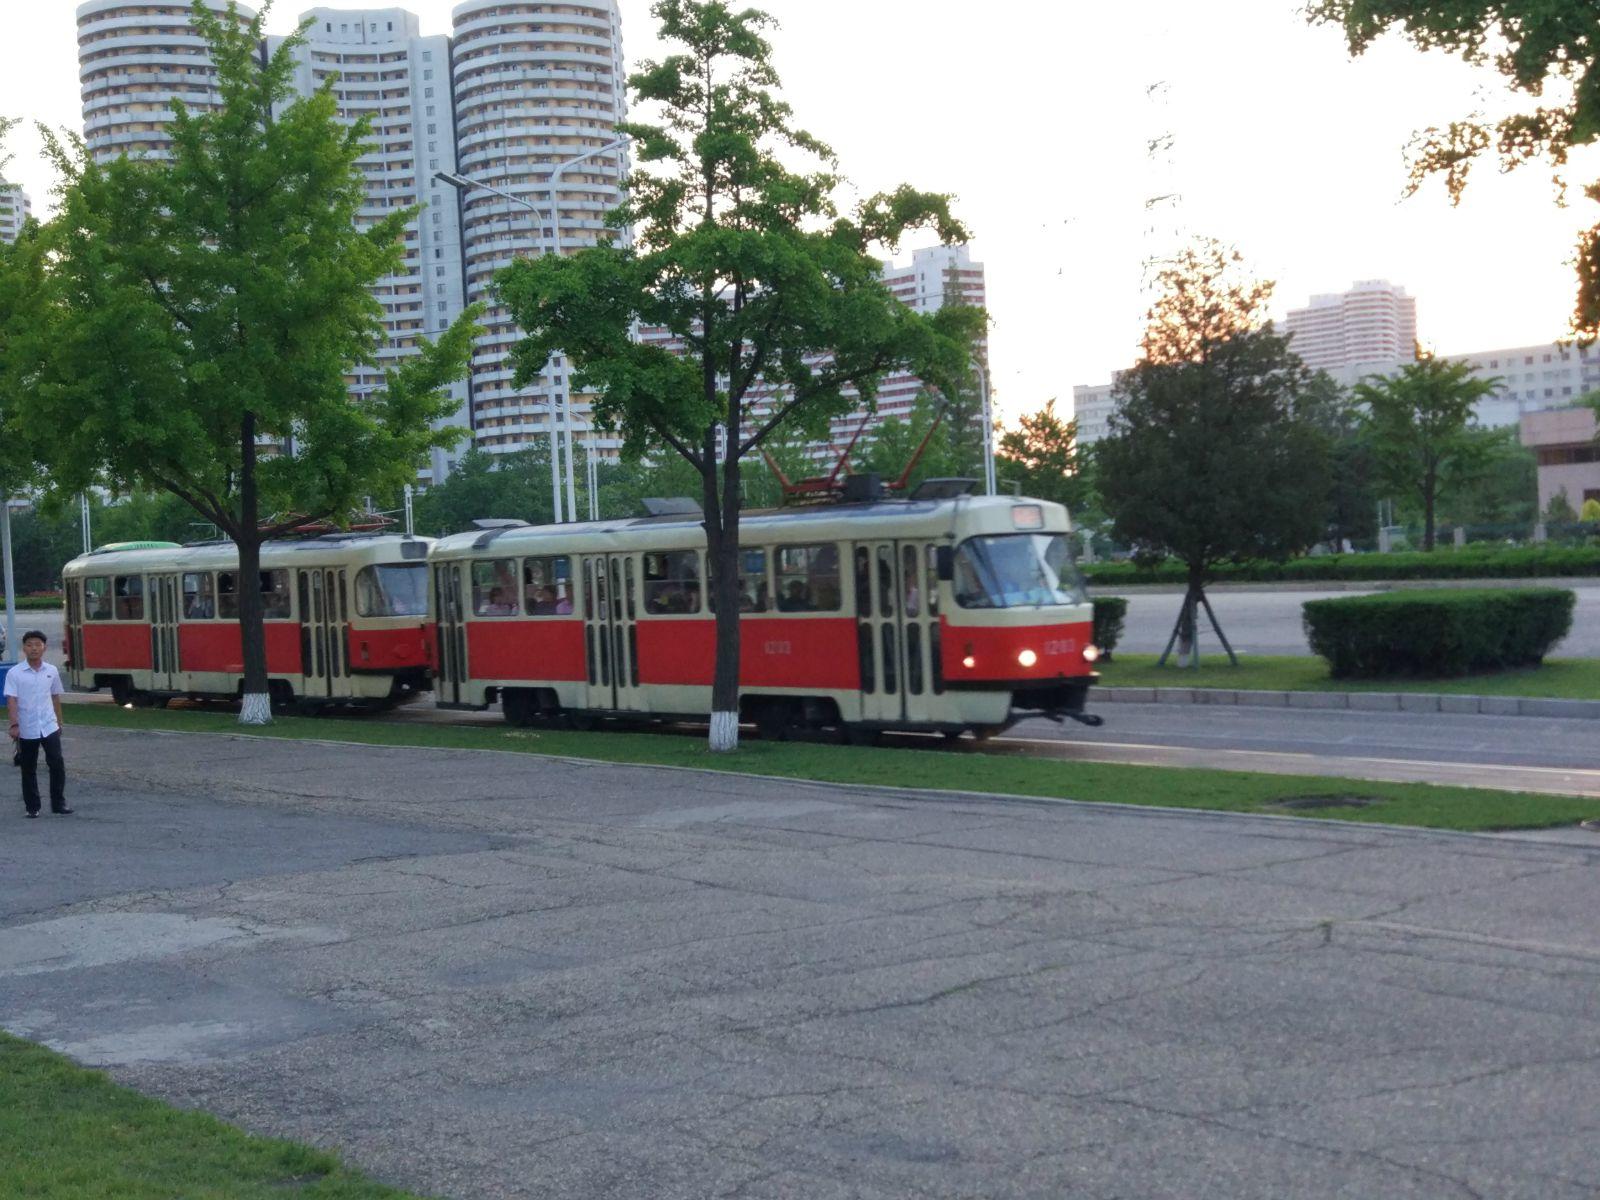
(536, 85)
(134, 59)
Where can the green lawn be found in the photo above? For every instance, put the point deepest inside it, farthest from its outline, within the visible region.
(1559, 678)
(929, 769)
(71, 1134)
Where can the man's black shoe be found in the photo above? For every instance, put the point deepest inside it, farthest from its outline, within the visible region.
(61, 812)
(33, 813)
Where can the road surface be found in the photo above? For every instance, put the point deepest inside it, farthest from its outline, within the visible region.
(486, 975)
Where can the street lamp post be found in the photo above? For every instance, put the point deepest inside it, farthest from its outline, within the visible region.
(462, 184)
(988, 430)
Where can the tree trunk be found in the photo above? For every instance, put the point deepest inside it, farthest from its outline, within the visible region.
(1430, 484)
(722, 555)
(256, 707)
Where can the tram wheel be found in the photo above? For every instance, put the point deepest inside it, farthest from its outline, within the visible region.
(774, 721)
(581, 721)
(984, 733)
(121, 691)
(860, 735)
(952, 737)
(142, 699)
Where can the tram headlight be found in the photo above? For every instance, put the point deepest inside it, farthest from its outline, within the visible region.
(1027, 658)
(1091, 653)
(969, 662)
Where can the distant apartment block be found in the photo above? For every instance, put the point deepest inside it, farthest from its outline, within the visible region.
(15, 209)
(133, 61)
(1092, 406)
(1367, 330)
(381, 67)
(1532, 378)
(1569, 458)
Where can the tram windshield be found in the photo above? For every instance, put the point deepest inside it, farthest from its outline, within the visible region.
(1017, 570)
(392, 591)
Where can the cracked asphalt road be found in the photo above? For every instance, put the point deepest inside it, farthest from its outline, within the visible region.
(496, 976)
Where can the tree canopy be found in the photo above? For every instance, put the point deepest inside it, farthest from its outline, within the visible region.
(200, 315)
(742, 256)
(1041, 456)
(1215, 452)
(1546, 49)
(1419, 426)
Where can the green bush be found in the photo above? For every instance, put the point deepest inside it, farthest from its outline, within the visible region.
(1471, 562)
(1109, 614)
(1455, 632)
(43, 601)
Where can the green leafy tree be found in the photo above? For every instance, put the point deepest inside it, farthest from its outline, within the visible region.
(1212, 454)
(1496, 484)
(515, 486)
(204, 311)
(1041, 454)
(1590, 512)
(1546, 49)
(1419, 425)
(1559, 510)
(747, 261)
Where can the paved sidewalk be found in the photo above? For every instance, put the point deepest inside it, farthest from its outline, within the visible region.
(488, 975)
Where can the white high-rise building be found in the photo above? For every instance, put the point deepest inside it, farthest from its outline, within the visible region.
(384, 69)
(935, 276)
(15, 208)
(1092, 406)
(134, 59)
(1367, 330)
(536, 86)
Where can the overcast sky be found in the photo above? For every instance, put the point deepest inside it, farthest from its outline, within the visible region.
(1035, 114)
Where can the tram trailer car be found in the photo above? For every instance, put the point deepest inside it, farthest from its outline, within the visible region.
(947, 615)
(346, 617)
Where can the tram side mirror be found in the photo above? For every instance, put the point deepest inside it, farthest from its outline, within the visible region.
(944, 562)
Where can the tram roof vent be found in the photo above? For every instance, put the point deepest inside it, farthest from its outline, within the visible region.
(497, 523)
(859, 489)
(944, 489)
(670, 506)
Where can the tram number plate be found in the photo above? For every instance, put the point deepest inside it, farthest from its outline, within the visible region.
(777, 648)
(1060, 646)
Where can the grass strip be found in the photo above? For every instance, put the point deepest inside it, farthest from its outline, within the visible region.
(1423, 805)
(1558, 678)
(71, 1134)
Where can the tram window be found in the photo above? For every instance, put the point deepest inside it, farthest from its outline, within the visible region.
(808, 578)
(97, 598)
(227, 595)
(863, 583)
(885, 581)
(199, 596)
(130, 597)
(393, 590)
(588, 604)
(672, 582)
(753, 595)
(909, 576)
(547, 586)
(627, 576)
(275, 595)
(932, 592)
(914, 659)
(890, 671)
(494, 588)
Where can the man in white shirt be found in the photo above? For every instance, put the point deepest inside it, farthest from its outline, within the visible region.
(33, 702)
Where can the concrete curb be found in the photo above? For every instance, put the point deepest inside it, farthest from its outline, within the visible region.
(1420, 702)
(1343, 585)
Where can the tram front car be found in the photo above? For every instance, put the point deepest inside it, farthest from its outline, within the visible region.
(1018, 633)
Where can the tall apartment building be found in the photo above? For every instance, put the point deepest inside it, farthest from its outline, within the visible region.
(1365, 331)
(15, 208)
(934, 277)
(134, 59)
(382, 68)
(536, 86)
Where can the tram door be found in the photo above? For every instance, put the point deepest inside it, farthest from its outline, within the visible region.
(163, 596)
(896, 630)
(610, 630)
(321, 632)
(447, 602)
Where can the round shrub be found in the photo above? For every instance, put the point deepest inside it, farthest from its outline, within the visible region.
(1436, 633)
(1109, 614)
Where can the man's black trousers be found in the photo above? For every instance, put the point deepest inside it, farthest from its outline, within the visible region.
(30, 771)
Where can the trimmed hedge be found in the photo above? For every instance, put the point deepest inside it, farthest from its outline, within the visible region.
(1454, 632)
(1472, 562)
(35, 602)
(1109, 614)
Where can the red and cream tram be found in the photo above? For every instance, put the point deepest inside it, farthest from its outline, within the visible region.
(953, 614)
(346, 616)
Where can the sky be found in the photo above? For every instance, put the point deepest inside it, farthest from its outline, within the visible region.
(1037, 114)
